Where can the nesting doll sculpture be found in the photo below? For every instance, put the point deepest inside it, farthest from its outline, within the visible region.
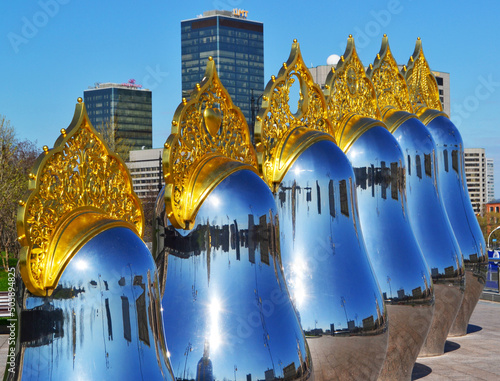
(426, 210)
(378, 164)
(88, 303)
(424, 97)
(324, 258)
(225, 300)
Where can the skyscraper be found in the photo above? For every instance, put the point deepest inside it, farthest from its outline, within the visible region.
(476, 176)
(237, 46)
(490, 179)
(124, 112)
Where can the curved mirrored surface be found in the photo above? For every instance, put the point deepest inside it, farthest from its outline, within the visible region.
(432, 230)
(453, 186)
(326, 267)
(227, 310)
(103, 321)
(397, 260)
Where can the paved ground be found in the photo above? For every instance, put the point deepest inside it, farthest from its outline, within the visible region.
(4, 348)
(475, 356)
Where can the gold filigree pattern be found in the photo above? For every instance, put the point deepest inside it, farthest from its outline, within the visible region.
(389, 83)
(207, 130)
(78, 174)
(422, 84)
(276, 120)
(349, 91)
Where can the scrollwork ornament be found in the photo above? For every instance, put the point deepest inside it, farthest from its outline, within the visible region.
(79, 173)
(387, 80)
(276, 120)
(349, 91)
(422, 84)
(207, 125)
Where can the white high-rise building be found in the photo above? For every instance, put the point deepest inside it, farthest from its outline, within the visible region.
(145, 167)
(490, 180)
(475, 173)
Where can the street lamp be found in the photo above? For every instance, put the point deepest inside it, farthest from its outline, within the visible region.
(498, 227)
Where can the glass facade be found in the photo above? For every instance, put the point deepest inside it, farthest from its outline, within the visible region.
(237, 46)
(125, 112)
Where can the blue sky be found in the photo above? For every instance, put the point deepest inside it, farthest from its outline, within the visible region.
(51, 50)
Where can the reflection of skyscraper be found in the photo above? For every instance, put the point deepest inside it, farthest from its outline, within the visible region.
(351, 325)
(289, 372)
(449, 271)
(127, 331)
(379, 314)
(204, 371)
(269, 375)
(401, 293)
(417, 292)
(368, 323)
(264, 244)
(142, 314)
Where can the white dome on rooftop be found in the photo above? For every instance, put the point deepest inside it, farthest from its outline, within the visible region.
(333, 59)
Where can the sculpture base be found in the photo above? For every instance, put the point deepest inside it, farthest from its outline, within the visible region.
(448, 299)
(348, 357)
(408, 328)
(474, 285)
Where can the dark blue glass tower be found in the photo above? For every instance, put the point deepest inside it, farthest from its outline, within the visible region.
(237, 46)
(124, 110)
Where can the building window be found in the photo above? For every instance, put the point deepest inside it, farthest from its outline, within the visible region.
(344, 203)
(445, 156)
(419, 166)
(454, 160)
(427, 164)
(394, 180)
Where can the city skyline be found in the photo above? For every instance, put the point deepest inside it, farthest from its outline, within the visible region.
(53, 49)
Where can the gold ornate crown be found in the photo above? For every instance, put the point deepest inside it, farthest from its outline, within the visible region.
(422, 84)
(281, 134)
(389, 83)
(209, 141)
(350, 97)
(77, 189)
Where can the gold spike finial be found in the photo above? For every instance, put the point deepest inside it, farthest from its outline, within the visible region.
(422, 84)
(388, 82)
(350, 91)
(77, 189)
(209, 140)
(276, 120)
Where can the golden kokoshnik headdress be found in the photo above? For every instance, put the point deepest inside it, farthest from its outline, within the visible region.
(77, 189)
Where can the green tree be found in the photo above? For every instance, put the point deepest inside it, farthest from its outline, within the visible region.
(16, 160)
(488, 222)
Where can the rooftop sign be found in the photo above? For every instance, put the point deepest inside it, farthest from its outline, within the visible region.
(240, 12)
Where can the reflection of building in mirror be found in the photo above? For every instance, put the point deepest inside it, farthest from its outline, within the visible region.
(382, 178)
(226, 238)
(204, 371)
